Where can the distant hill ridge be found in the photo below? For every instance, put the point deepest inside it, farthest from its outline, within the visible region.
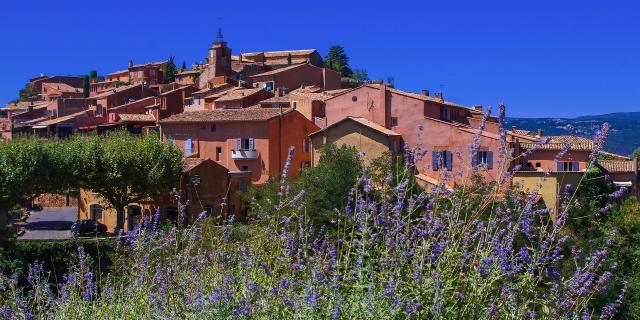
(623, 139)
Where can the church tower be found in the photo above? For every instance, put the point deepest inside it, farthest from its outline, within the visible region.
(220, 56)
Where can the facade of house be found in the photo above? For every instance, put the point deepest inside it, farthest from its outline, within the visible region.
(197, 102)
(187, 77)
(371, 139)
(295, 76)
(205, 185)
(36, 83)
(51, 91)
(445, 129)
(281, 58)
(149, 73)
(253, 140)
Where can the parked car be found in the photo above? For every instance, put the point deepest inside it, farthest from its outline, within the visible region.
(88, 228)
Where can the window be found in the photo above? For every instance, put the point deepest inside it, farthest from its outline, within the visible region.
(394, 121)
(188, 147)
(95, 212)
(529, 165)
(140, 74)
(275, 106)
(568, 166)
(306, 145)
(354, 98)
(209, 210)
(244, 144)
(244, 168)
(294, 104)
(538, 165)
(484, 159)
(131, 74)
(218, 153)
(441, 159)
(152, 73)
(99, 110)
(268, 86)
(304, 165)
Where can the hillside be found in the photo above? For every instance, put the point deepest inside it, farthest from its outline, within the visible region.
(623, 139)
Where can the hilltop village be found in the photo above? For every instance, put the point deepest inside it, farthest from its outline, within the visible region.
(236, 116)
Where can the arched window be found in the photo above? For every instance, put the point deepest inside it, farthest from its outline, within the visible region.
(95, 212)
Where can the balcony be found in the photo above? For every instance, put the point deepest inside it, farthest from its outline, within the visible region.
(244, 154)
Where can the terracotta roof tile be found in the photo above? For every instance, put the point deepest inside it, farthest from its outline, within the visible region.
(135, 117)
(280, 53)
(617, 166)
(238, 94)
(365, 123)
(63, 87)
(279, 70)
(189, 164)
(81, 114)
(254, 113)
(558, 142)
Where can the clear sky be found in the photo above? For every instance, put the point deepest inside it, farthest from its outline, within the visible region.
(542, 58)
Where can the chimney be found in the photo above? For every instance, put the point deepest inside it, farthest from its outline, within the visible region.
(439, 95)
(539, 135)
(240, 57)
(425, 92)
(478, 108)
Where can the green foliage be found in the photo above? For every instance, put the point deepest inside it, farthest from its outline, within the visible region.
(391, 80)
(327, 184)
(93, 75)
(28, 94)
(289, 58)
(121, 167)
(169, 71)
(58, 256)
(636, 154)
(184, 65)
(86, 86)
(338, 60)
(360, 75)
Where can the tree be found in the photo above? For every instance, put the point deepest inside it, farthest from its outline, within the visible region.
(289, 58)
(93, 75)
(85, 86)
(326, 184)
(391, 80)
(28, 93)
(184, 65)
(124, 169)
(169, 71)
(338, 60)
(360, 75)
(636, 154)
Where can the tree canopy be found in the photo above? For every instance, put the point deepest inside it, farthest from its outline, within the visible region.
(120, 167)
(169, 71)
(338, 60)
(636, 154)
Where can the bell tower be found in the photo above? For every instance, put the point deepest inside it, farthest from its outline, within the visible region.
(220, 56)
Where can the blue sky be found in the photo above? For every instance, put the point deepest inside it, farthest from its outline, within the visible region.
(542, 58)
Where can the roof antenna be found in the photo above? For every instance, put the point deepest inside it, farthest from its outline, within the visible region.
(219, 37)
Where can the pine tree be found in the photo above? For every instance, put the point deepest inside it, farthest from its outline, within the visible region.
(338, 60)
(289, 58)
(184, 65)
(169, 71)
(85, 86)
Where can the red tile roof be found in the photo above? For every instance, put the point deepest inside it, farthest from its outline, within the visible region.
(238, 94)
(135, 117)
(558, 142)
(617, 166)
(279, 70)
(252, 114)
(365, 123)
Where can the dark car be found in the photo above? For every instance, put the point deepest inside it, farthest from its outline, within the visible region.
(87, 228)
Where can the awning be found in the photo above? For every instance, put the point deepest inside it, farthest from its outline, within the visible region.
(40, 127)
(623, 183)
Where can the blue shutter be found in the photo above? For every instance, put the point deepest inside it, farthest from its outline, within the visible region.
(576, 166)
(188, 147)
(474, 159)
(238, 144)
(434, 160)
(449, 159)
(560, 167)
(489, 159)
(250, 143)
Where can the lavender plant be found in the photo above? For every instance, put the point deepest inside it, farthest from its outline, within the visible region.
(390, 253)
